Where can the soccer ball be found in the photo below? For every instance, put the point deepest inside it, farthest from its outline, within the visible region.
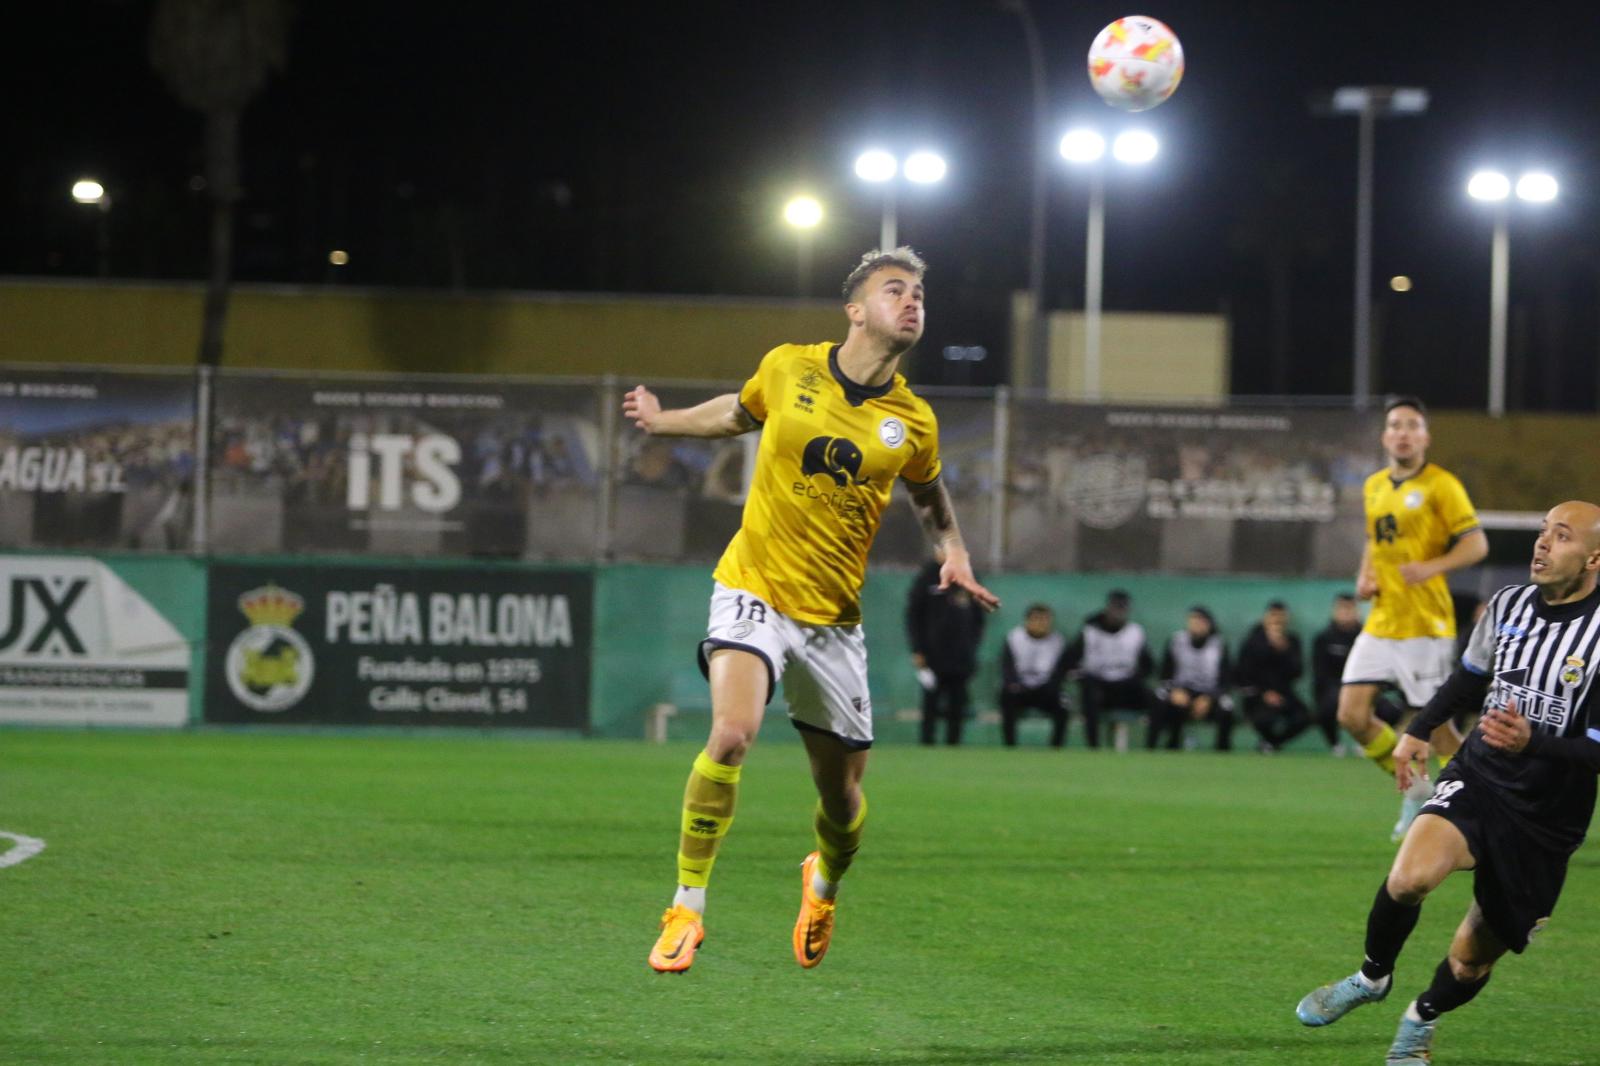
(1135, 63)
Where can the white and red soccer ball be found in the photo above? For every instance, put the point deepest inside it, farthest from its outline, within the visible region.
(1135, 63)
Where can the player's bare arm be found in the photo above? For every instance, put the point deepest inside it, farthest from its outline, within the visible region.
(938, 519)
(1469, 550)
(720, 416)
(1366, 580)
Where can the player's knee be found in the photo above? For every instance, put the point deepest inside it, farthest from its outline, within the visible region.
(1354, 714)
(730, 742)
(1410, 887)
(1469, 971)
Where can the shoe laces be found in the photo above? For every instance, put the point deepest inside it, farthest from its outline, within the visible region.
(677, 916)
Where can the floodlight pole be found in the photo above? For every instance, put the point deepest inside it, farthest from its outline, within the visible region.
(1499, 294)
(1361, 386)
(1368, 103)
(888, 229)
(1093, 281)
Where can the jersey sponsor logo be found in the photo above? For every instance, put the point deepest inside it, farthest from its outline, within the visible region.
(1539, 708)
(1385, 529)
(837, 457)
(892, 432)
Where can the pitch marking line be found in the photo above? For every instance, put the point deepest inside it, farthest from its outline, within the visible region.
(23, 849)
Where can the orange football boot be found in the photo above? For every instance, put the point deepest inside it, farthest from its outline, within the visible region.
(682, 932)
(813, 930)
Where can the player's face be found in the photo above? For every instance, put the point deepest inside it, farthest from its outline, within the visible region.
(1405, 435)
(1565, 549)
(890, 306)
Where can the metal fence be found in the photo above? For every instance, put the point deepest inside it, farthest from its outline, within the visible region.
(547, 469)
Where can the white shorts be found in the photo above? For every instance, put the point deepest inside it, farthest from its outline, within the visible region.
(1417, 666)
(828, 692)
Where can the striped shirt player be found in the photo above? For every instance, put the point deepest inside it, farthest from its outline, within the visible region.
(1517, 800)
(839, 427)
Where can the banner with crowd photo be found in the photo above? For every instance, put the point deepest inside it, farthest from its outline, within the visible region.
(1251, 490)
(393, 645)
(96, 459)
(413, 466)
(80, 645)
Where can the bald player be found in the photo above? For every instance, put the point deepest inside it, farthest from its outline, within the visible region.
(1514, 804)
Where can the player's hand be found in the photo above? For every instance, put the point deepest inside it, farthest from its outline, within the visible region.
(1366, 585)
(1410, 761)
(641, 405)
(1416, 573)
(1505, 729)
(957, 571)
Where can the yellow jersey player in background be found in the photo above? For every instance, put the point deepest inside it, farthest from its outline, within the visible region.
(1420, 527)
(839, 426)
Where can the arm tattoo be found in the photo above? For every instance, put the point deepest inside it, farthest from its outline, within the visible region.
(937, 516)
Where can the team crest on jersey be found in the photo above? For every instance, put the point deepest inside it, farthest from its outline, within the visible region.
(1413, 499)
(1572, 672)
(892, 432)
(810, 378)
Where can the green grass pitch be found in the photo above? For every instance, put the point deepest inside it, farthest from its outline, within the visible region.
(287, 899)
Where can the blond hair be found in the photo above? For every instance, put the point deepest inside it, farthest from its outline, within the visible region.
(878, 259)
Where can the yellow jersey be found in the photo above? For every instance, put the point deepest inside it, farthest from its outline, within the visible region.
(1408, 521)
(830, 452)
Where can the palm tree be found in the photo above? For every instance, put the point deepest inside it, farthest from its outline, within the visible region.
(215, 55)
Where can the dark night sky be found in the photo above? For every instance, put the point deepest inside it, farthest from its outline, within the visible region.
(620, 148)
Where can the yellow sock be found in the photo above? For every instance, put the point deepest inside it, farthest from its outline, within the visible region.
(1381, 749)
(1441, 761)
(837, 843)
(707, 813)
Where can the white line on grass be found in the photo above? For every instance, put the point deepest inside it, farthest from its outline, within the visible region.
(23, 849)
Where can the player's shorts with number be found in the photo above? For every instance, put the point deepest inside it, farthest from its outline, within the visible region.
(823, 668)
(1517, 880)
(1416, 666)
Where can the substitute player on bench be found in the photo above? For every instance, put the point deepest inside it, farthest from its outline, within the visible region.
(839, 426)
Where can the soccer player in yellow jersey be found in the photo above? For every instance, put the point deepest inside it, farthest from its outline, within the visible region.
(839, 425)
(1420, 527)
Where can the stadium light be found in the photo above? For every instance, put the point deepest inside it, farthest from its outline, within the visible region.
(803, 212)
(925, 168)
(92, 193)
(804, 215)
(1086, 147)
(1494, 187)
(1367, 103)
(880, 167)
(1135, 147)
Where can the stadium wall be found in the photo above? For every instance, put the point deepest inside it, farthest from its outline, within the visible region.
(637, 643)
(341, 329)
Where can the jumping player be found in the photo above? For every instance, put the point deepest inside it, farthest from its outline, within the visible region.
(839, 425)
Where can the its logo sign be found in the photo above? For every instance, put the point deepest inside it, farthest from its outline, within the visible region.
(1385, 529)
(433, 485)
(837, 457)
(33, 630)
